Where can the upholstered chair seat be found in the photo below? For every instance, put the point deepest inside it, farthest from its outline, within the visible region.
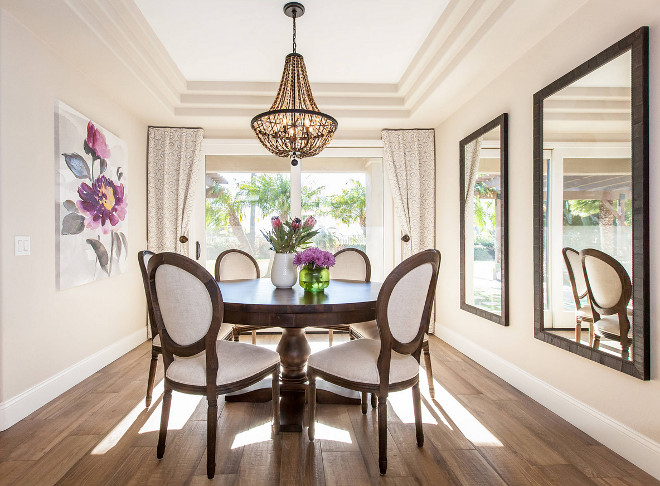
(236, 361)
(358, 361)
(610, 325)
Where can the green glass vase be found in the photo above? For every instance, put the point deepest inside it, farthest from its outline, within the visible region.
(313, 278)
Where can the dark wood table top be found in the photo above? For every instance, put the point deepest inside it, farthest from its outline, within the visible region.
(343, 302)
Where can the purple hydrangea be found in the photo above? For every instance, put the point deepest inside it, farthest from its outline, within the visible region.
(314, 256)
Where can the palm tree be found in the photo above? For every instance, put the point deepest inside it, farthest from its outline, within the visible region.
(226, 209)
(350, 206)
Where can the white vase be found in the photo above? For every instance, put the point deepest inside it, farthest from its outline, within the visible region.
(283, 274)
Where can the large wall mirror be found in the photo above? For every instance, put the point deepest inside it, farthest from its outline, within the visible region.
(484, 160)
(591, 216)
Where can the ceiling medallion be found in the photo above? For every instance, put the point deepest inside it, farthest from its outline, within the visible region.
(294, 127)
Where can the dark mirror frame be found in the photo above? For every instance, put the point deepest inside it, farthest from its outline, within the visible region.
(503, 122)
(638, 44)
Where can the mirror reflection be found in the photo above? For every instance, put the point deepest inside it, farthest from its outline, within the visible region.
(587, 210)
(483, 221)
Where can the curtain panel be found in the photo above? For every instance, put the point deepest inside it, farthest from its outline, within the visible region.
(174, 157)
(409, 158)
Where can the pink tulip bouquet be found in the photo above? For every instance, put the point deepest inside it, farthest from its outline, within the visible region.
(290, 235)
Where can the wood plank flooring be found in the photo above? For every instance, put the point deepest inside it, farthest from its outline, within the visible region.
(479, 431)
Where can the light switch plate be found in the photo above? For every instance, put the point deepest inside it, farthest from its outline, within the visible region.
(21, 245)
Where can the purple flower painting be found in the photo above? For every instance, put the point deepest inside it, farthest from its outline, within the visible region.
(92, 201)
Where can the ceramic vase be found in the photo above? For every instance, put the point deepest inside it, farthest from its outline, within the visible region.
(283, 274)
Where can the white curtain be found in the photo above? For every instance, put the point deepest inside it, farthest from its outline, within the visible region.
(409, 158)
(173, 160)
(472, 151)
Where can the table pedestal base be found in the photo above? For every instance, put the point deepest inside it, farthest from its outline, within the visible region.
(294, 351)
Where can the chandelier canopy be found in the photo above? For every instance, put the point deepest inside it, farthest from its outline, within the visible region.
(294, 127)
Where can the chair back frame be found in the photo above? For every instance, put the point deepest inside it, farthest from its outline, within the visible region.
(206, 343)
(230, 251)
(388, 342)
(364, 256)
(621, 306)
(571, 276)
(145, 281)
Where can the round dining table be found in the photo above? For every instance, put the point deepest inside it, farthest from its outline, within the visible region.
(258, 302)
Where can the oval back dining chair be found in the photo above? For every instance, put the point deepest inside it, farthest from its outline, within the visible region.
(353, 264)
(225, 330)
(188, 311)
(237, 264)
(350, 264)
(403, 311)
(609, 289)
(573, 262)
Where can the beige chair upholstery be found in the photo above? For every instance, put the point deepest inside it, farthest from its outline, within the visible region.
(350, 265)
(610, 290)
(390, 363)
(235, 362)
(188, 311)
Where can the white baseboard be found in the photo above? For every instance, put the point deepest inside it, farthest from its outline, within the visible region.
(628, 443)
(22, 405)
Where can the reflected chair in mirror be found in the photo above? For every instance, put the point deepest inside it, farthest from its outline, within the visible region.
(188, 310)
(391, 364)
(225, 330)
(609, 289)
(353, 264)
(236, 264)
(579, 286)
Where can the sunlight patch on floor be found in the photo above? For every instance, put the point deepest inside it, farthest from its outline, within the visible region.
(260, 433)
(402, 404)
(182, 408)
(467, 423)
(327, 432)
(115, 435)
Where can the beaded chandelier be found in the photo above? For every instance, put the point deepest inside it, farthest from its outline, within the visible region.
(294, 127)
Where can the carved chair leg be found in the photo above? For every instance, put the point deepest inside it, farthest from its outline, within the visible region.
(164, 419)
(374, 401)
(330, 337)
(364, 402)
(417, 407)
(591, 333)
(429, 369)
(351, 334)
(235, 333)
(312, 405)
(211, 426)
(152, 375)
(382, 434)
(596, 344)
(254, 337)
(578, 330)
(276, 402)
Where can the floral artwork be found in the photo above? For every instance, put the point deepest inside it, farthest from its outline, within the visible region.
(92, 204)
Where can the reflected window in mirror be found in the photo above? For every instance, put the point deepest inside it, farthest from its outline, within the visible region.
(483, 158)
(591, 170)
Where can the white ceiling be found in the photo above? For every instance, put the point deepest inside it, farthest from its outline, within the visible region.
(343, 41)
(372, 64)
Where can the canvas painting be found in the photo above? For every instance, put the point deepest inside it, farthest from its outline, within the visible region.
(91, 198)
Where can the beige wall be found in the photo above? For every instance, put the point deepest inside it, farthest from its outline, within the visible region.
(596, 26)
(44, 331)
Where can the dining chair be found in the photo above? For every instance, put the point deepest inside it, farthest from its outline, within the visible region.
(609, 289)
(225, 330)
(350, 264)
(237, 264)
(573, 262)
(403, 311)
(354, 264)
(188, 310)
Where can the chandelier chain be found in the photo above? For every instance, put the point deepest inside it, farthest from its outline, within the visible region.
(294, 29)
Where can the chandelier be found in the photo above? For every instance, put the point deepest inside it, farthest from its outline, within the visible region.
(294, 127)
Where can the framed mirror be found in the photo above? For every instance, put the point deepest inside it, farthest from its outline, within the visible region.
(484, 234)
(591, 208)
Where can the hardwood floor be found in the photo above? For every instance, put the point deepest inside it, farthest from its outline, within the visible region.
(479, 431)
